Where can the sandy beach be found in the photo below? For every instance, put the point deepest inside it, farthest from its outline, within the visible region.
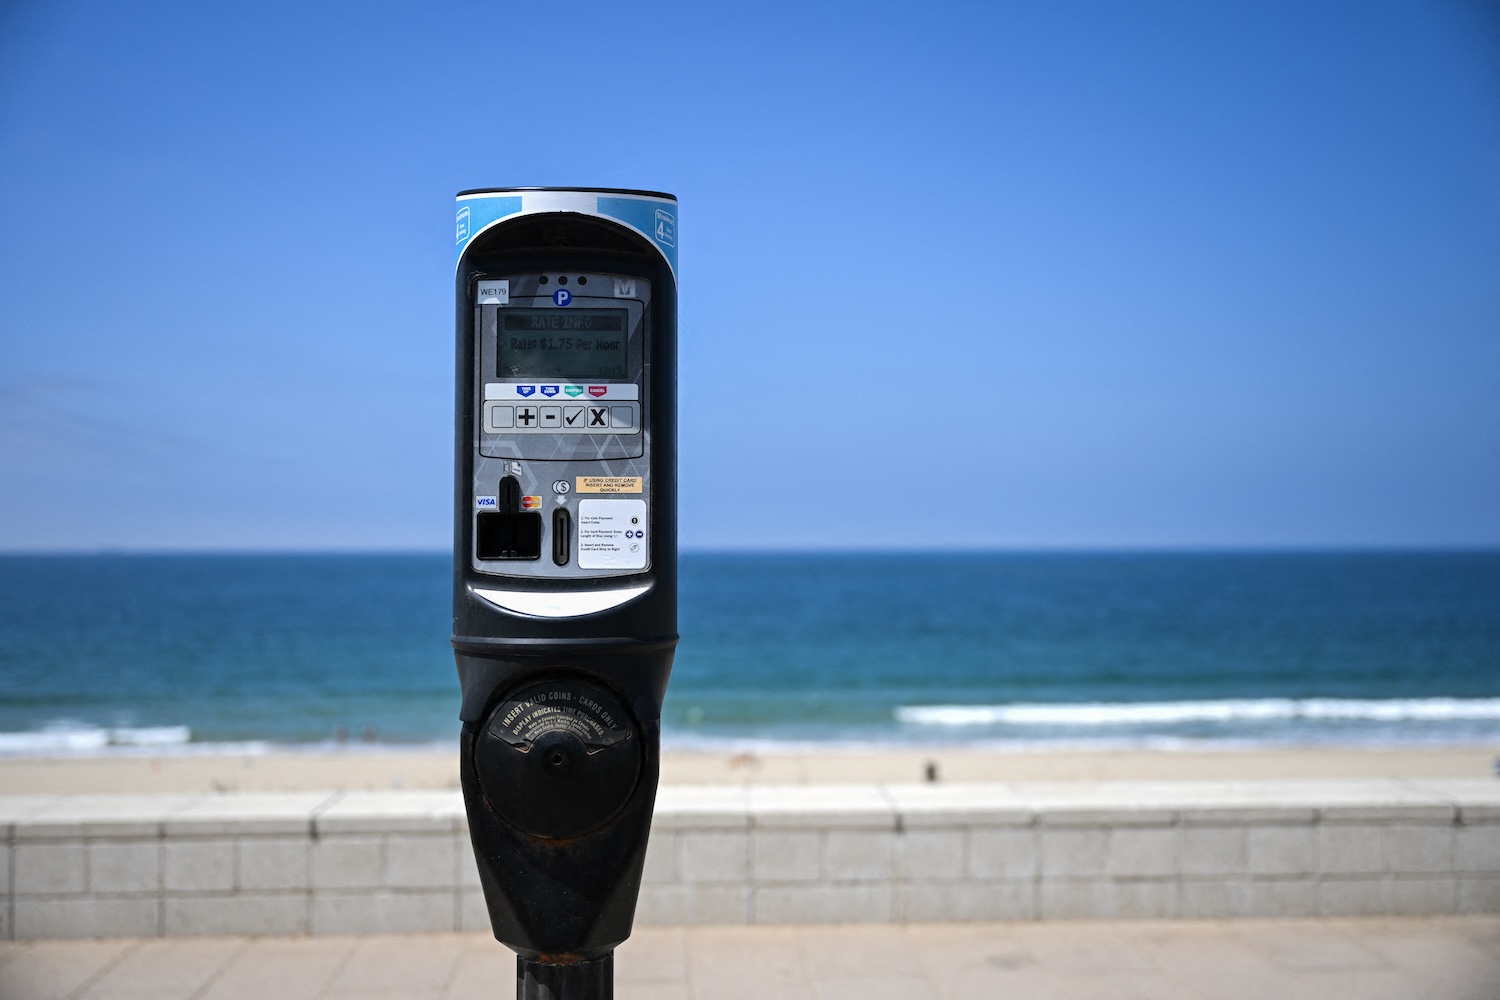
(433, 769)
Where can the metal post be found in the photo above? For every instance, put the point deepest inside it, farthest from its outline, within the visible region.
(588, 980)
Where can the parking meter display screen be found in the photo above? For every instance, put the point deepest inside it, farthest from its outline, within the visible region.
(562, 343)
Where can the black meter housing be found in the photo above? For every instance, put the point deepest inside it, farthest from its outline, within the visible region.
(565, 560)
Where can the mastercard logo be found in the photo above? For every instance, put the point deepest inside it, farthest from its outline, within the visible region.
(530, 503)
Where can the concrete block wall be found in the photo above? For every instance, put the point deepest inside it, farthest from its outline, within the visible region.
(803, 854)
(307, 863)
(331, 863)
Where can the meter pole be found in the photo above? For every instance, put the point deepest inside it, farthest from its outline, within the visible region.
(587, 980)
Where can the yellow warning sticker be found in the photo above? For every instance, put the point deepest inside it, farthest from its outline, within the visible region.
(609, 484)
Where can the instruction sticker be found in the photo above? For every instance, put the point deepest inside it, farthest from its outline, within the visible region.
(612, 534)
(608, 484)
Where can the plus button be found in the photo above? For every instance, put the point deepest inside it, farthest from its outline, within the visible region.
(525, 415)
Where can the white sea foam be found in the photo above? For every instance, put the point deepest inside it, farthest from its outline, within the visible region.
(1226, 710)
(77, 737)
(70, 738)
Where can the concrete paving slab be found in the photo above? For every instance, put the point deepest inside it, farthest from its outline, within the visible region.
(415, 964)
(700, 806)
(1218, 967)
(57, 970)
(1447, 958)
(862, 953)
(248, 813)
(1062, 949)
(384, 812)
(818, 806)
(747, 963)
(172, 967)
(642, 991)
(280, 968)
(656, 958)
(484, 969)
(1329, 948)
(101, 816)
(1461, 964)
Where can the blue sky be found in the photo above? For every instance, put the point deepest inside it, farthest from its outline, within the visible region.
(1077, 274)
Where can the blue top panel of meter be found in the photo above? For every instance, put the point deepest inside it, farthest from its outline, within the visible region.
(653, 216)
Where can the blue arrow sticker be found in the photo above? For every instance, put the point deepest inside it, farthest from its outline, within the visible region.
(655, 219)
(475, 213)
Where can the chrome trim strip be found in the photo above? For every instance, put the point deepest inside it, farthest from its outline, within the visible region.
(559, 604)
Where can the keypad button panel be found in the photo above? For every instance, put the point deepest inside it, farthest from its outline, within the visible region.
(580, 418)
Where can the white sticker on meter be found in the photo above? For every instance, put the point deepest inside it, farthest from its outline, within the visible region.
(612, 534)
(494, 293)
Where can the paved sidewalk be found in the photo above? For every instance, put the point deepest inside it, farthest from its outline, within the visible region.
(1435, 958)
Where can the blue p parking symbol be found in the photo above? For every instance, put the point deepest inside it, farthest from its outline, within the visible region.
(562, 296)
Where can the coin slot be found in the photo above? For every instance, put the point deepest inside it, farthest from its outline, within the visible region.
(562, 536)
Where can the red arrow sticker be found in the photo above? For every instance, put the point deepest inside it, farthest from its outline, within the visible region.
(598, 391)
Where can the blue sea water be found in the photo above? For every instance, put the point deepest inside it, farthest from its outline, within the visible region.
(213, 652)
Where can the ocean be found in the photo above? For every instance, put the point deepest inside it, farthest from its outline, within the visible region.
(161, 654)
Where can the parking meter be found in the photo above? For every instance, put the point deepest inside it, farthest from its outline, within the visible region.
(565, 560)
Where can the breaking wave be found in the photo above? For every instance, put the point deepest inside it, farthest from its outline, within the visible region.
(1228, 710)
(78, 737)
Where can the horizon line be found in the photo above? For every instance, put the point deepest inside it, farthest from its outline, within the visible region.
(832, 550)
